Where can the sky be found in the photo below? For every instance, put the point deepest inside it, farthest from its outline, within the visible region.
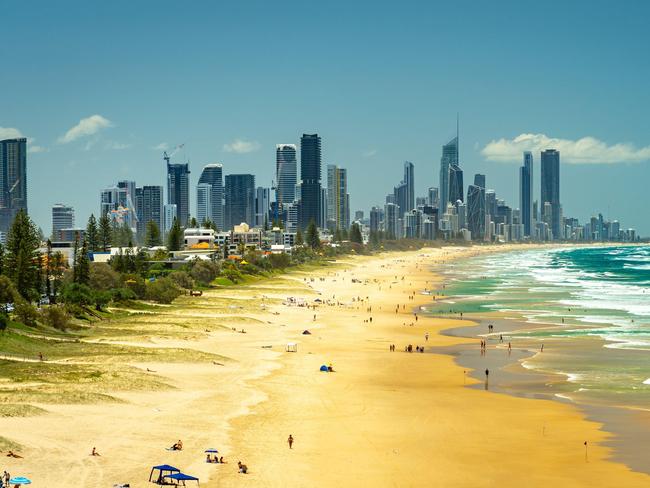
(101, 89)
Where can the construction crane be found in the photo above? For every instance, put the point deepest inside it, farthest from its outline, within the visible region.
(167, 157)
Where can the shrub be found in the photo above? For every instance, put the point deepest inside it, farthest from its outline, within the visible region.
(77, 294)
(26, 313)
(182, 279)
(136, 285)
(103, 277)
(56, 316)
(204, 272)
(123, 294)
(101, 298)
(162, 290)
(279, 261)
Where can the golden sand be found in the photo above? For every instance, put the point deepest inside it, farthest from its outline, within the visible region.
(381, 419)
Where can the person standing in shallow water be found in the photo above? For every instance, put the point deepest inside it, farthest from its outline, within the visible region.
(290, 441)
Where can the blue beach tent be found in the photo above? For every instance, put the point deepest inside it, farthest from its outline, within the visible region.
(324, 368)
(162, 469)
(180, 478)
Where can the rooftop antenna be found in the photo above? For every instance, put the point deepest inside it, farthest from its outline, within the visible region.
(457, 139)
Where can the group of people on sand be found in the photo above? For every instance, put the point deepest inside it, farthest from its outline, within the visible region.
(215, 459)
(409, 348)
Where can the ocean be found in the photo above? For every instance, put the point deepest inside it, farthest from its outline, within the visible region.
(588, 306)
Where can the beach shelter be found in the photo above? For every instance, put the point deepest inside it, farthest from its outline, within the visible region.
(211, 450)
(324, 368)
(292, 347)
(20, 480)
(159, 472)
(179, 479)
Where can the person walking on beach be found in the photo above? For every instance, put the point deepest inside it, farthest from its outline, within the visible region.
(290, 441)
(426, 337)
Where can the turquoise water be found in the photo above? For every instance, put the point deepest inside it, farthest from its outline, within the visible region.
(590, 307)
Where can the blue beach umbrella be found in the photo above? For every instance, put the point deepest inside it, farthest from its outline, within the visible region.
(20, 480)
(211, 451)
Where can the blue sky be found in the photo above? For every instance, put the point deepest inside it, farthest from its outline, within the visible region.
(380, 82)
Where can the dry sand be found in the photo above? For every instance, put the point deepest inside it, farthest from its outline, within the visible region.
(381, 419)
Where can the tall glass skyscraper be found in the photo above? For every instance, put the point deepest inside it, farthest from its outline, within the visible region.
(240, 200)
(526, 193)
(150, 208)
(178, 190)
(212, 175)
(338, 199)
(310, 176)
(449, 157)
(550, 162)
(455, 184)
(13, 180)
(286, 173)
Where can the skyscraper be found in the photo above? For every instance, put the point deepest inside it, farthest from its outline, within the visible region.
(409, 180)
(391, 218)
(338, 199)
(262, 206)
(550, 162)
(150, 208)
(479, 180)
(13, 180)
(203, 202)
(212, 175)
(310, 176)
(476, 211)
(455, 184)
(240, 200)
(449, 157)
(62, 218)
(526, 193)
(178, 191)
(286, 173)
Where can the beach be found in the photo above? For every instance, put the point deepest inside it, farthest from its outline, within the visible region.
(381, 418)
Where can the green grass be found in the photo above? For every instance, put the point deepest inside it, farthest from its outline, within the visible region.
(20, 410)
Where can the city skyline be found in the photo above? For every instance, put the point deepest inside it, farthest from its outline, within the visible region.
(89, 126)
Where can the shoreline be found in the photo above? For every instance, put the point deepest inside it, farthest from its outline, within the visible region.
(630, 426)
(382, 418)
(279, 414)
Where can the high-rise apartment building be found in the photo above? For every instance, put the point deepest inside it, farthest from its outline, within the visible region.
(13, 180)
(203, 203)
(391, 221)
(550, 163)
(286, 173)
(178, 189)
(62, 218)
(149, 205)
(338, 199)
(262, 206)
(526, 193)
(455, 184)
(310, 177)
(212, 175)
(449, 158)
(476, 210)
(240, 200)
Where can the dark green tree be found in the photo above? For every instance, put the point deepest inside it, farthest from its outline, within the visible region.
(152, 235)
(175, 237)
(92, 234)
(105, 233)
(193, 223)
(355, 234)
(82, 265)
(312, 238)
(338, 237)
(22, 260)
(48, 270)
(299, 240)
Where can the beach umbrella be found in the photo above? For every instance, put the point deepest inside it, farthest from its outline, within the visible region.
(20, 480)
(211, 451)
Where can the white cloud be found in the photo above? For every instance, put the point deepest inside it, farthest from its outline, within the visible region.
(12, 133)
(9, 133)
(587, 150)
(370, 153)
(241, 146)
(163, 146)
(86, 127)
